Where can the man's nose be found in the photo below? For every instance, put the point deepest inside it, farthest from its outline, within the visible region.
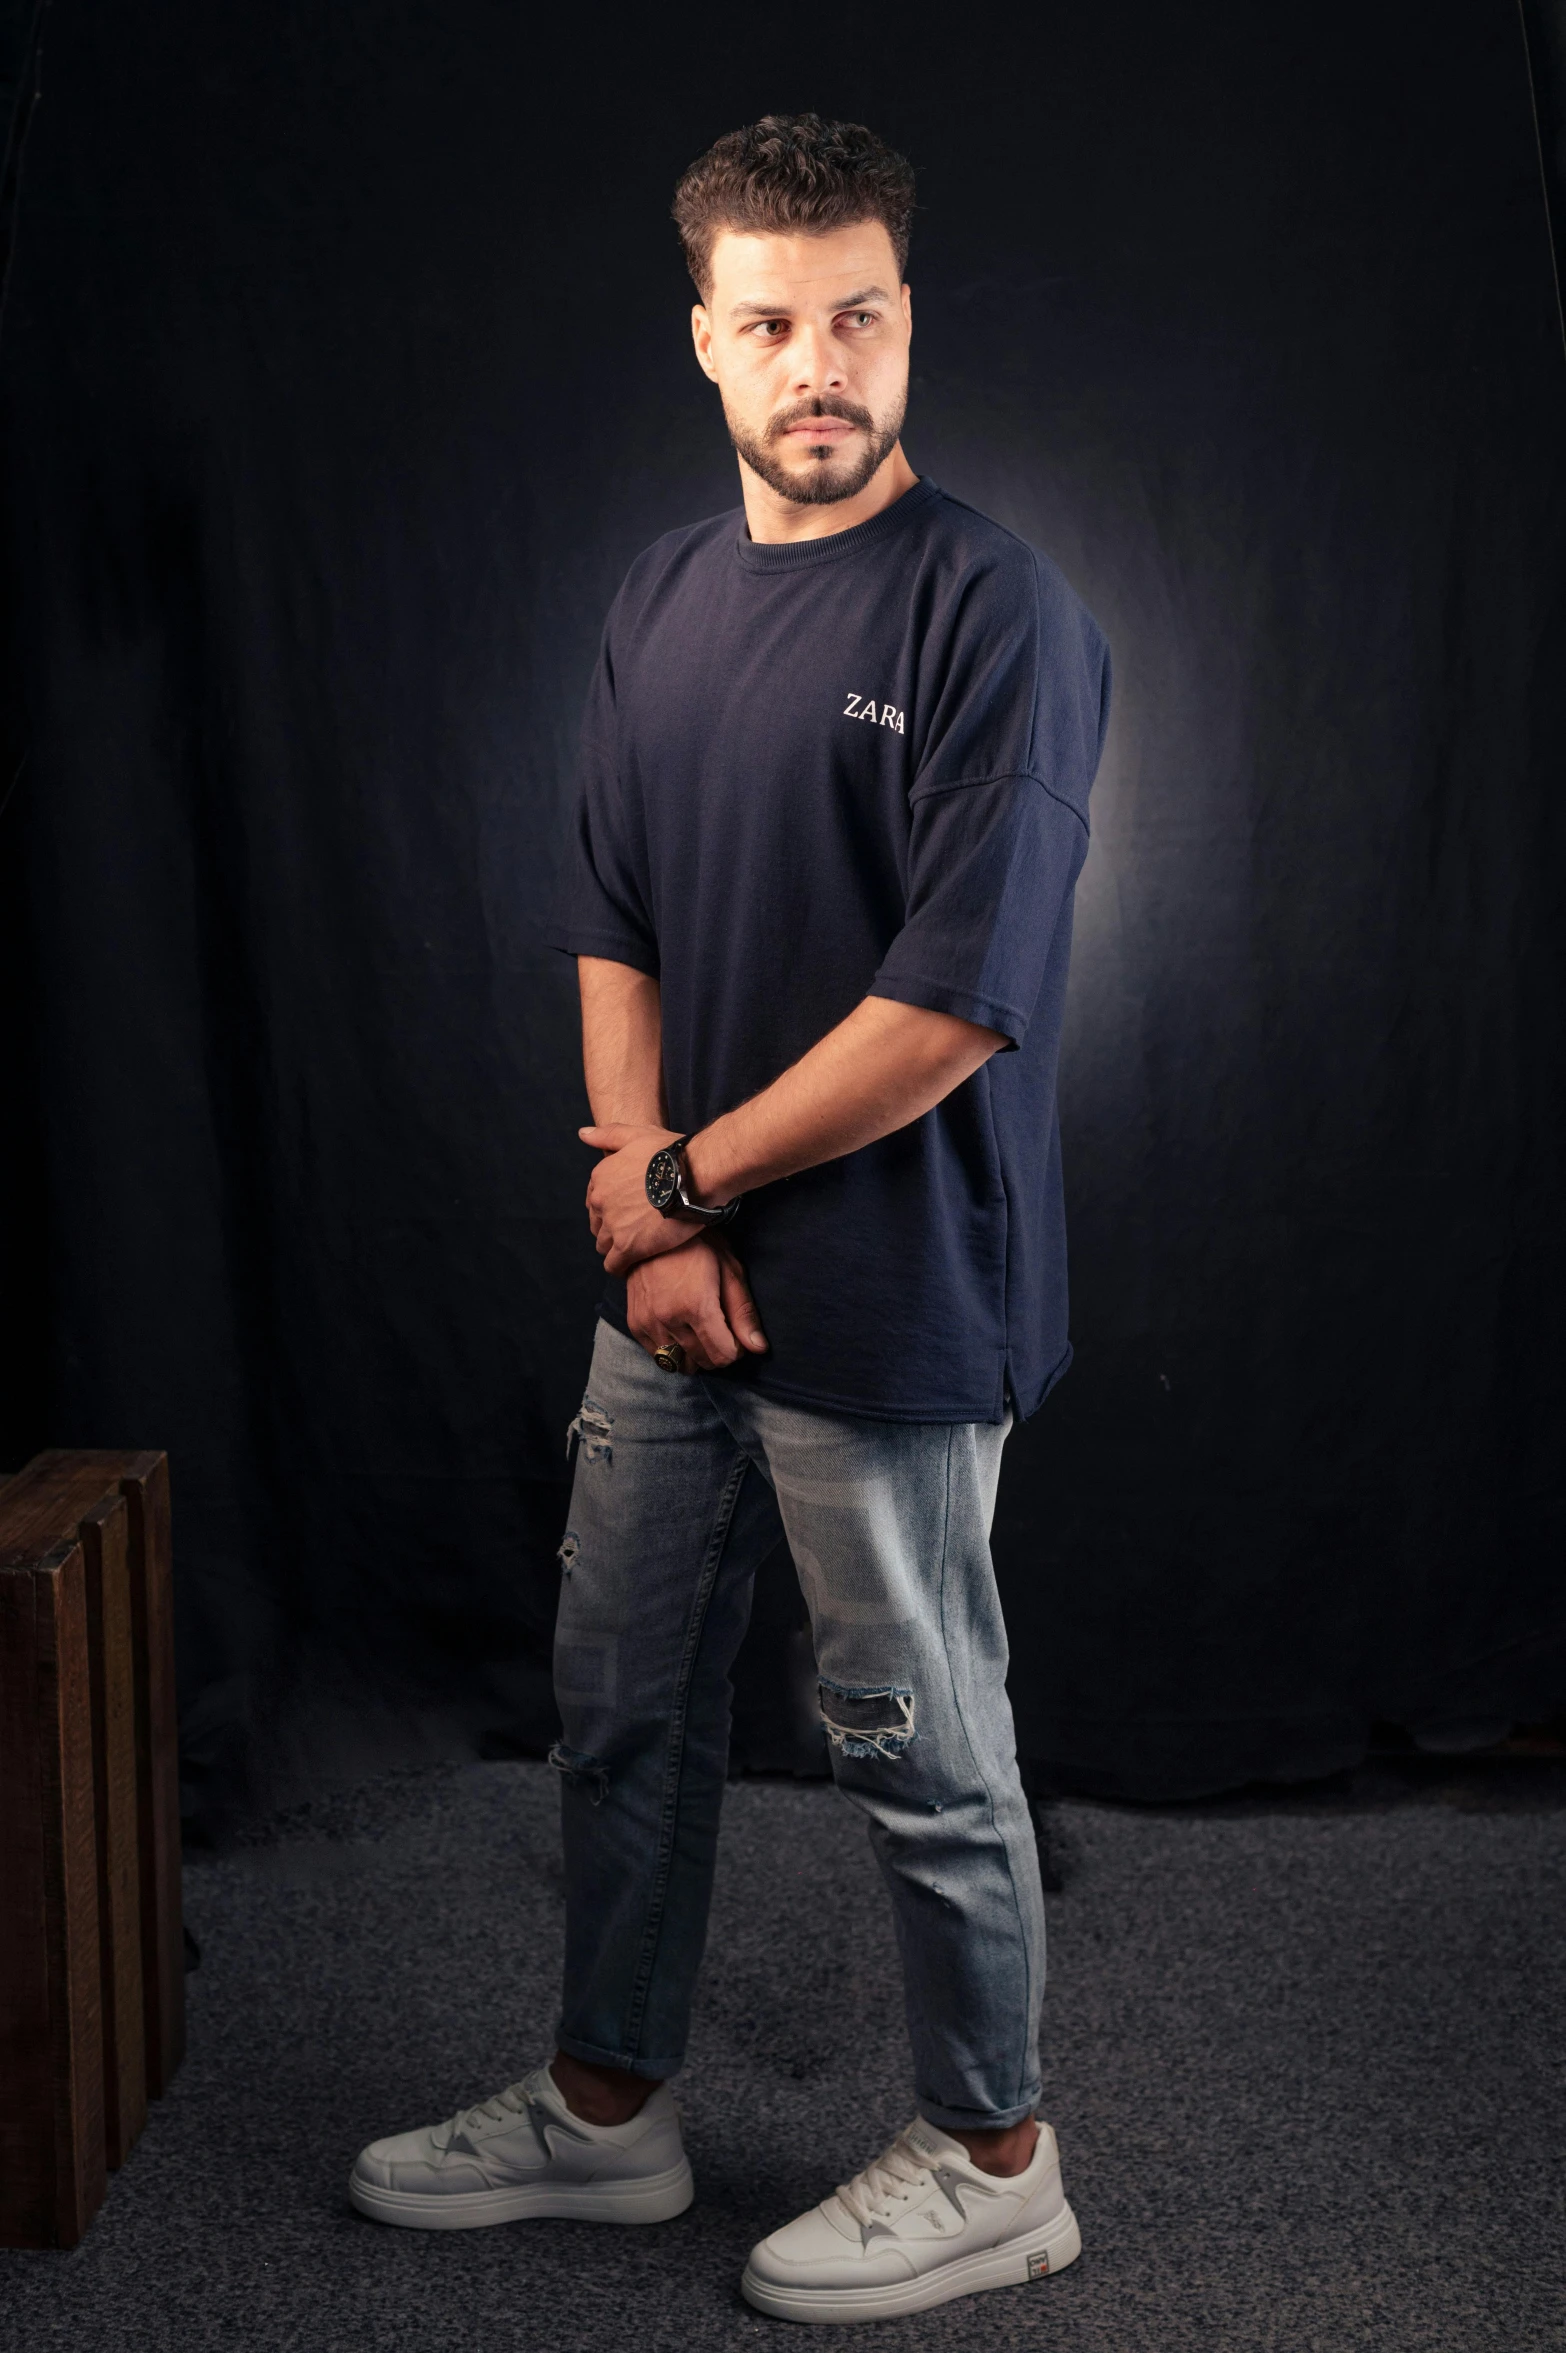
(818, 365)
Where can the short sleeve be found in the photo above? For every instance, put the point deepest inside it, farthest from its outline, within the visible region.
(1022, 687)
(601, 904)
(991, 867)
(999, 802)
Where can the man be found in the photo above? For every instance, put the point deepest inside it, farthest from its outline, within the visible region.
(835, 774)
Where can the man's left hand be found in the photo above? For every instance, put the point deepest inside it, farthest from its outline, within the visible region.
(625, 1224)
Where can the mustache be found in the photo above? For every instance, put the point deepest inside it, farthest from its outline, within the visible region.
(827, 404)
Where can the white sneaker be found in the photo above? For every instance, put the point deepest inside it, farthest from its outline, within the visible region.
(524, 2153)
(919, 2226)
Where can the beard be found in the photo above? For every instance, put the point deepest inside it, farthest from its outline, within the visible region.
(833, 472)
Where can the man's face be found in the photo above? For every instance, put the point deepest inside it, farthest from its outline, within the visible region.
(807, 340)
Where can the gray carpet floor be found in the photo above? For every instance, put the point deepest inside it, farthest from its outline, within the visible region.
(1304, 2056)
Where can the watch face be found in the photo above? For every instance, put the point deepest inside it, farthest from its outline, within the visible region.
(663, 1175)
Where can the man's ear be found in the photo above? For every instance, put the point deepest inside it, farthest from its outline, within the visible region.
(701, 336)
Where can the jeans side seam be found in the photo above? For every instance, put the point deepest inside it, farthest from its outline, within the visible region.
(674, 1769)
(981, 1775)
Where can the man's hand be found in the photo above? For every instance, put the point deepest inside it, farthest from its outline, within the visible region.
(695, 1294)
(625, 1224)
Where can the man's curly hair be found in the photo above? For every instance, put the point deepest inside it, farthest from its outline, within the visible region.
(792, 172)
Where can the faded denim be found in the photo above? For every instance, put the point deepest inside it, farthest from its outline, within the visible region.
(681, 1484)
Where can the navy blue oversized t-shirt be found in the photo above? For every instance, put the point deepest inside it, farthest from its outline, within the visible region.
(845, 767)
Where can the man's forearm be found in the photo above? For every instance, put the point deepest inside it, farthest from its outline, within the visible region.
(622, 1043)
(882, 1068)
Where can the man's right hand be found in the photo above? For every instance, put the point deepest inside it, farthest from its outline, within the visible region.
(698, 1296)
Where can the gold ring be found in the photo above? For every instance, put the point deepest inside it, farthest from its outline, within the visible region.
(670, 1358)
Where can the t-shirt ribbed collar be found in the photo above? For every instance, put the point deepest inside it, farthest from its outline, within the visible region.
(794, 555)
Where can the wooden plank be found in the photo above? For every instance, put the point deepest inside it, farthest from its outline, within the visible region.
(52, 2175)
(58, 1480)
(105, 1540)
(144, 1483)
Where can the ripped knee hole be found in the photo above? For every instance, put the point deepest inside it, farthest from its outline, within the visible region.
(582, 1772)
(867, 1720)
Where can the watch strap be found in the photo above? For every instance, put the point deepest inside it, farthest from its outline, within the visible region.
(679, 1202)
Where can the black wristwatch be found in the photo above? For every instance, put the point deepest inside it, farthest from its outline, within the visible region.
(668, 1187)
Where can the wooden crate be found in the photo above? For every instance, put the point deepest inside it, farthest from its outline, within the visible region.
(92, 1984)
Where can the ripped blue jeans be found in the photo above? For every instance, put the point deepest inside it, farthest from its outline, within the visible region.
(681, 1486)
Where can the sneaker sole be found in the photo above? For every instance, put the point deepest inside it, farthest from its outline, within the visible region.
(658, 2198)
(1036, 2255)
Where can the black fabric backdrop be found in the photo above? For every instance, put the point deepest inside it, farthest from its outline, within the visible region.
(345, 366)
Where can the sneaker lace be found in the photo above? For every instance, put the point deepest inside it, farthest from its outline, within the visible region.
(516, 2100)
(886, 2180)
